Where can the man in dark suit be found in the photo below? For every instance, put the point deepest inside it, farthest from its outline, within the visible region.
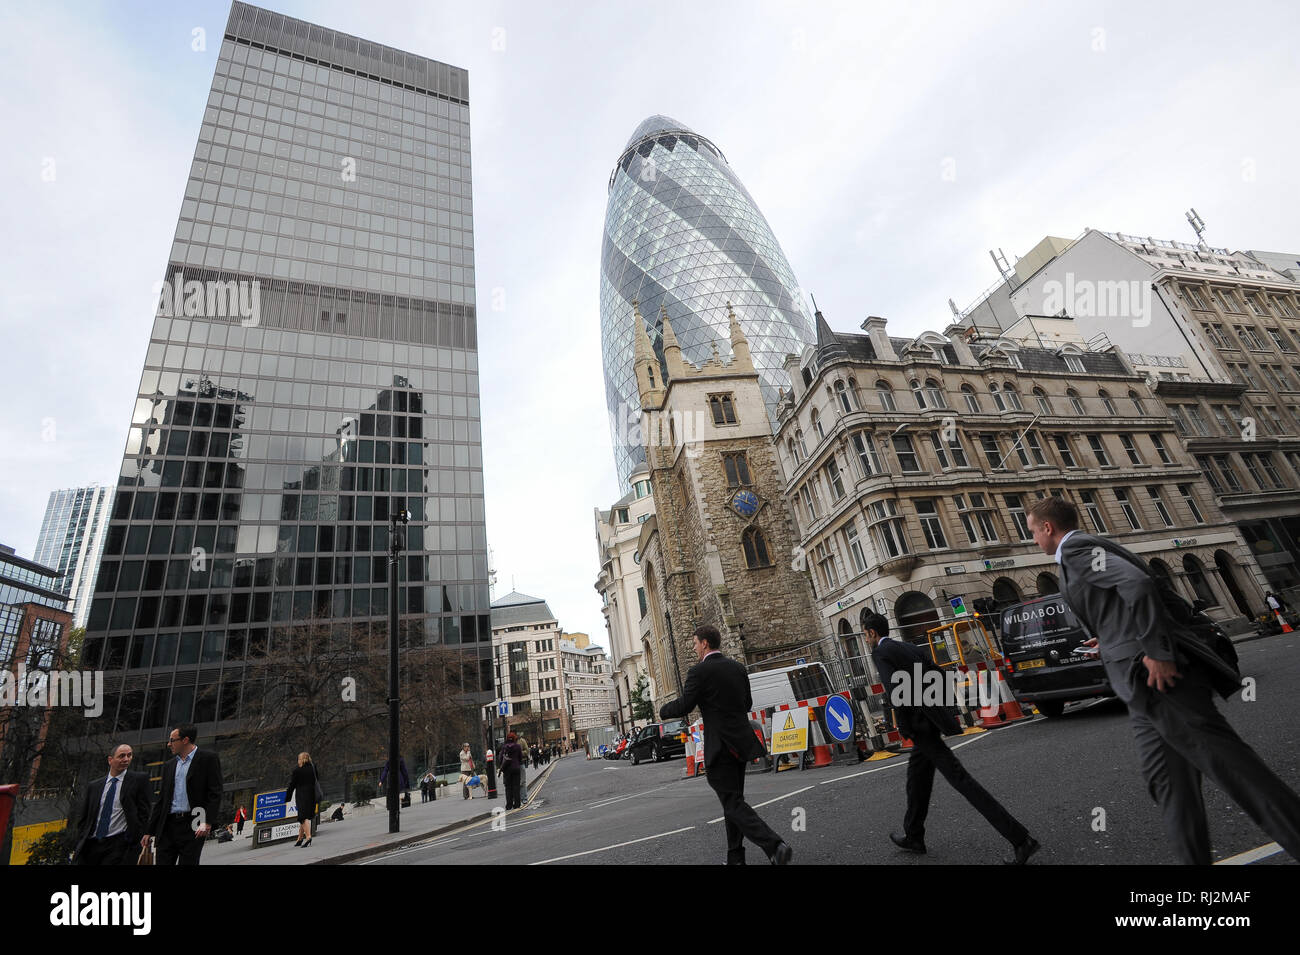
(720, 688)
(190, 801)
(1180, 735)
(926, 726)
(114, 814)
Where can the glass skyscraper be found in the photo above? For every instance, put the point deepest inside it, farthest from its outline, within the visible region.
(72, 540)
(683, 234)
(312, 369)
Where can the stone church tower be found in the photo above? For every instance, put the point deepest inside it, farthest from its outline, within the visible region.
(719, 548)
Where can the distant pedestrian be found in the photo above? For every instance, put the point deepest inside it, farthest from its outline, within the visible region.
(512, 767)
(241, 814)
(302, 785)
(337, 814)
(403, 778)
(466, 760)
(424, 788)
(926, 726)
(1275, 603)
(720, 688)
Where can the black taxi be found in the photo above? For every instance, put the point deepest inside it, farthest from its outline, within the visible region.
(1042, 642)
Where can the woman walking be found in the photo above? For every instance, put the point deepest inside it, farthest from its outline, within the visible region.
(303, 782)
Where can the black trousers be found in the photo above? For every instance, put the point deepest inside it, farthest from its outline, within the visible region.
(115, 850)
(726, 775)
(1180, 736)
(929, 753)
(177, 844)
(512, 788)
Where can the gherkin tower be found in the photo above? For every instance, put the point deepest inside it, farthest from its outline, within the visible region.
(683, 234)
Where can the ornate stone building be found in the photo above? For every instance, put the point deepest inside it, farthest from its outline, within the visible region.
(718, 548)
(911, 462)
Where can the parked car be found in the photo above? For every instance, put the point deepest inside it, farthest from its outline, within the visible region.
(659, 741)
(1041, 640)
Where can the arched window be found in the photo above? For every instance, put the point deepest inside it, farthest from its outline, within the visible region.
(997, 398)
(1196, 577)
(1047, 584)
(1223, 560)
(794, 451)
(1137, 402)
(934, 394)
(914, 614)
(885, 394)
(1005, 592)
(755, 547)
(845, 397)
(1044, 405)
(672, 433)
(817, 424)
(1013, 399)
(1075, 402)
(972, 399)
(1160, 570)
(1106, 403)
(799, 442)
(853, 394)
(918, 395)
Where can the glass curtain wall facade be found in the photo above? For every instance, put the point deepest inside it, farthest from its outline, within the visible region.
(311, 370)
(72, 540)
(683, 234)
(26, 582)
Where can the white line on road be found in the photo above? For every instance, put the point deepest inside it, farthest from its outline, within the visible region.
(574, 855)
(866, 772)
(608, 802)
(1254, 855)
(768, 803)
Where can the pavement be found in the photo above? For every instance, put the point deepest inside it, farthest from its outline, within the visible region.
(364, 830)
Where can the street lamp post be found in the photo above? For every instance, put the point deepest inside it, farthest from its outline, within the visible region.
(395, 542)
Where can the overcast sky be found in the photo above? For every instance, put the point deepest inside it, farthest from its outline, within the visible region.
(890, 146)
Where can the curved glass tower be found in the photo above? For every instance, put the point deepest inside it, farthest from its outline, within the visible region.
(681, 232)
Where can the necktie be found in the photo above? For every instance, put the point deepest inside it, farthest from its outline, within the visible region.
(106, 813)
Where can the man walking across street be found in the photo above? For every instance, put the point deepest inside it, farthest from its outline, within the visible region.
(720, 688)
(926, 726)
(1152, 663)
(114, 814)
(190, 800)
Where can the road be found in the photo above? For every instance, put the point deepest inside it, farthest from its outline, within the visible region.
(1072, 781)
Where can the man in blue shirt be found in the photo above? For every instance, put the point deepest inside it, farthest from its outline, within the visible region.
(191, 799)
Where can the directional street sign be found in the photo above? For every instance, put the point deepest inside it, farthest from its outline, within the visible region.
(958, 606)
(801, 661)
(503, 708)
(839, 718)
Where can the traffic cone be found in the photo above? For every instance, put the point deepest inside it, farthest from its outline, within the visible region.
(1286, 627)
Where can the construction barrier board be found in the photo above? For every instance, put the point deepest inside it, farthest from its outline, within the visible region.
(789, 731)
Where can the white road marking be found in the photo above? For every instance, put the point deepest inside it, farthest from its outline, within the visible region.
(1254, 855)
(608, 802)
(411, 848)
(866, 772)
(617, 845)
(903, 762)
(760, 805)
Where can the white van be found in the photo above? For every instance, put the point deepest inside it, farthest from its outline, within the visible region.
(788, 685)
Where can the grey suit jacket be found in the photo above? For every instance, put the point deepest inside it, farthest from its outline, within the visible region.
(1117, 602)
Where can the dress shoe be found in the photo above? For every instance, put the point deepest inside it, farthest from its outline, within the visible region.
(298, 843)
(781, 855)
(907, 843)
(1023, 851)
(306, 844)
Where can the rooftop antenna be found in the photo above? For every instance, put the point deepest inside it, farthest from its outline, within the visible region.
(492, 572)
(1000, 263)
(956, 312)
(1198, 226)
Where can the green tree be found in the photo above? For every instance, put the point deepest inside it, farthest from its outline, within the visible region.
(642, 707)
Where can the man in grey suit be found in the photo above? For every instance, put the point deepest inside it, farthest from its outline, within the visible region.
(1180, 735)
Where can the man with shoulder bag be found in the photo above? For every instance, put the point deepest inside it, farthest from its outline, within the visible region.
(1164, 660)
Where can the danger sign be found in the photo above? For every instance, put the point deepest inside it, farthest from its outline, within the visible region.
(789, 731)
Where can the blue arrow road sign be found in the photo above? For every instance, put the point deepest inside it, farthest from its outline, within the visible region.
(839, 718)
(503, 708)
